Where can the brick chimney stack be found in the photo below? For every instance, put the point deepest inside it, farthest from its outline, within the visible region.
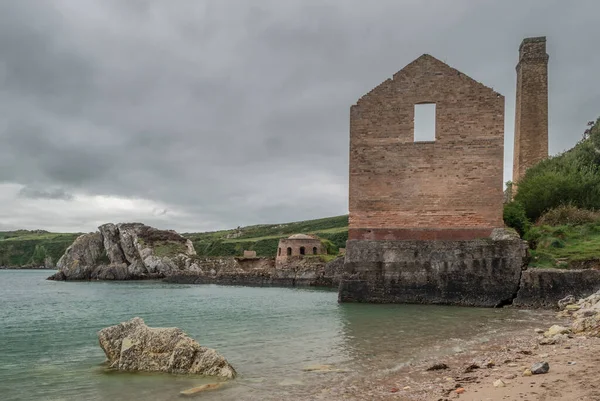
(531, 108)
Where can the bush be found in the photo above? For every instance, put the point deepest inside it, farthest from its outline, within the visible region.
(568, 214)
(515, 217)
(571, 178)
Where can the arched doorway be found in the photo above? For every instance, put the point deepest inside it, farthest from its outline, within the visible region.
(302, 251)
(289, 251)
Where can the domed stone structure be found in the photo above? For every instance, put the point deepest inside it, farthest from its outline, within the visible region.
(299, 245)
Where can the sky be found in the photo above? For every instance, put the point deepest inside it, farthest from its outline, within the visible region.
(200, 115)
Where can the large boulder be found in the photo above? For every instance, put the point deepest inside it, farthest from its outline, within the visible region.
(133, 346)
(126, 251)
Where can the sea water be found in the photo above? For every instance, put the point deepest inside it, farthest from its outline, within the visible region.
(49, 346)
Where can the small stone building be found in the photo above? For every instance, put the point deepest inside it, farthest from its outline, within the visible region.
(249, 254)
(299, 245)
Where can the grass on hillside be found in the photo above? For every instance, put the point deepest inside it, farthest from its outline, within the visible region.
(31, 248)
(264, 238)
(565, 246)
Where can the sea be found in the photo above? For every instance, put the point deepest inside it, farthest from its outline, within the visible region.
(49, 346)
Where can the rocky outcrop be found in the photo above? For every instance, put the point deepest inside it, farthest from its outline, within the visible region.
(132, 346)
(79, 259)
(126, 251)
(307, 271)
(543, 288)
(585, 315)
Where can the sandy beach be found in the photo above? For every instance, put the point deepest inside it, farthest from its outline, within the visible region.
(494, 370)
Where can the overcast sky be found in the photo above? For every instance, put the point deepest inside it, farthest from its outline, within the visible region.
(206, 114)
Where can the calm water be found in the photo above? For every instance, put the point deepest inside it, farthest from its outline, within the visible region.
(49, 348)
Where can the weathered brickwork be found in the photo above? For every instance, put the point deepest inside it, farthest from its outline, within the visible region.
(298, 245)
(447, 188)
(531, 107)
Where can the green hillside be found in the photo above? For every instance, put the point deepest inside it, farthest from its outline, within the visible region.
(264, 238)
(31, 248)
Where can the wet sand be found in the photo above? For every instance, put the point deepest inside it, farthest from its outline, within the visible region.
(572, 375)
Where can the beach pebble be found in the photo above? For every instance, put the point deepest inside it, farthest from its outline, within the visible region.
(572, 363)
(540, 368)
(406, 388)
(539, 331)
(556, 329)
(438, 366)
(547, 341)
(527, 372)
(499, 383)
(460, 390)
(394, 390)
(510, 377)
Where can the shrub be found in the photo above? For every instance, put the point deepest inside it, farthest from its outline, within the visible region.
(515, 217)
(568, 214)
(571, 178)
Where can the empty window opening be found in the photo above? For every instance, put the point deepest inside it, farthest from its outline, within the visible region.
(279, 252)
(289, 251)
(424, 124)
(301, 250)
(314, 250)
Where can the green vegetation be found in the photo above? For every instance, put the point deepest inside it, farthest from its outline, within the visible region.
(31, 248)
(169, 248)
(515, 217)
(571, 178)
(264, 238)
(561, 196)
(565, 246)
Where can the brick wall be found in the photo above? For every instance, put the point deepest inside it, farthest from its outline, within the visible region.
(296, 244)
(448, 188)
(531, 107)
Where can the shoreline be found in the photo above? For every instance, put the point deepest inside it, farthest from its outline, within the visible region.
(480, 368)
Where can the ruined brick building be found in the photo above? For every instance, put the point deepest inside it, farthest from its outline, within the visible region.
(449, 187)
(425, 219)
(299, 245)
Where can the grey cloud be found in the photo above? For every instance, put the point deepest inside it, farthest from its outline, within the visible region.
(221, 111)
(35, 193)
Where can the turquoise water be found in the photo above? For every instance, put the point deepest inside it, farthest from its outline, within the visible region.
(49, 348)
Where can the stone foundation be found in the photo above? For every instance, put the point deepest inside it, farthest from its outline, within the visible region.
(480, 272)
(543, 288)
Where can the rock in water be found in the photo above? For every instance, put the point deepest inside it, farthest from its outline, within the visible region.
(199, 389)
(126, 251)
(540, 368)
(80, 258)
(132, 346)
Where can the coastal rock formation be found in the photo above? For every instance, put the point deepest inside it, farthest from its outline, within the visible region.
(132, 346)
(126, 251)
(307, 271)
(78, 259)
